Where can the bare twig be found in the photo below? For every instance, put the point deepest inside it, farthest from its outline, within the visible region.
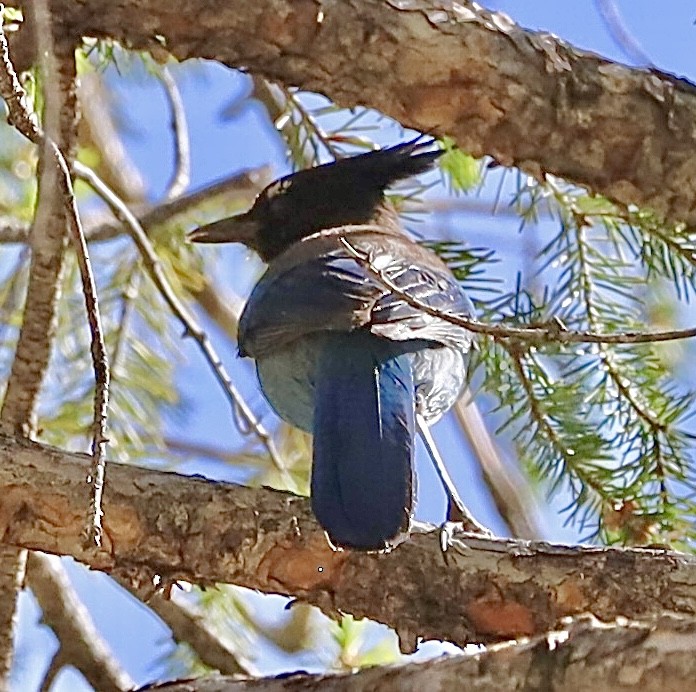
(20, 117)
(81, 645)
(619, 32)
(182, 169)
(239, 189)
(245, 417)
(555, 332)
(189, 625)
(509, 490)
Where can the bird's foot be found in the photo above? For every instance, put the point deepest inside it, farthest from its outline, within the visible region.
(449, 528)
(457, 513)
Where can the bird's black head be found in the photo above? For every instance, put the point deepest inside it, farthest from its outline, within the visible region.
(346, 192)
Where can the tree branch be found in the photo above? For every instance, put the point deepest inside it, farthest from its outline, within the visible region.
(182, 149)
(47, 241)
(81, 645)
(47, 237)
(60, 116)
(189, 625)
(525, 98)
(511, 493)
(586, 658)
(174, 527)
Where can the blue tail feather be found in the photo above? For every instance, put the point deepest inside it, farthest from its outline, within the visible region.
(363, 441)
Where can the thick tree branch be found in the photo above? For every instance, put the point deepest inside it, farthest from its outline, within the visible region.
(12, 564)
(47, 242)
(172, 527)
(60, 115)
(588, 658)
(527, 99)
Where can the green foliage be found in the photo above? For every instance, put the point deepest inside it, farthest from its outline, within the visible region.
(142, 355)
(608, 423)
(314, 131)
(462, 172)
(351, 635)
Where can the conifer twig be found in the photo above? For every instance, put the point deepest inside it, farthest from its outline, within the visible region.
(552, 332)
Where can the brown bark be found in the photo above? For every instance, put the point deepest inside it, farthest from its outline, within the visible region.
(12, 564)
(590, 658)
(47, 241)
(480, 590)
(527, 99)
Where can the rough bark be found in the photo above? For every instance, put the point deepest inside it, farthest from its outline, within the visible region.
(589, 658)
(47, 241)
(174, 527)
(527, 99)
(12, 564)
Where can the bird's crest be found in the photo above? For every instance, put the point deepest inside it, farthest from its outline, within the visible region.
(375, 169)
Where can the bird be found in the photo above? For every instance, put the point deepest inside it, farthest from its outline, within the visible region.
(343, 348)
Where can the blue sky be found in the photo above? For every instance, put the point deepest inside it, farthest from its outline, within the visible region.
(665, 32)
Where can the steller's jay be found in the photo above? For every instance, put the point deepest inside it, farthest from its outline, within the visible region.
(338, 354)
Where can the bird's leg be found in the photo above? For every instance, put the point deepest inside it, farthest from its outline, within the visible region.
(456, 509)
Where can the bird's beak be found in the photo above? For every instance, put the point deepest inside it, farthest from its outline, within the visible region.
(235, 229)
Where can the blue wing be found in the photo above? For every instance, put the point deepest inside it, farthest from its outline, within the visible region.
(318, 286)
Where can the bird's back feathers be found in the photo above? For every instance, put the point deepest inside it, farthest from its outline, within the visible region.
(318, 285)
